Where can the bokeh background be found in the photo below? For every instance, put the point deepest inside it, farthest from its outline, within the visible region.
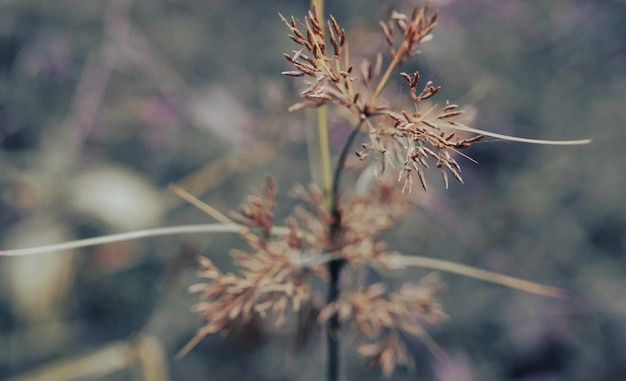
(104, 103)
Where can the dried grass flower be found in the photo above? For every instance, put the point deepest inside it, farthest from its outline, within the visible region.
(379, 318)
(336, 227)
(268, 284)
(411, 137)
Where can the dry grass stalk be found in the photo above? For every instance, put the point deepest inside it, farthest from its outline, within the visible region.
(270, 280)
(274, 277)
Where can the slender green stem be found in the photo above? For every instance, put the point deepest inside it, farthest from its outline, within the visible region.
(322, 130)
(385, 78)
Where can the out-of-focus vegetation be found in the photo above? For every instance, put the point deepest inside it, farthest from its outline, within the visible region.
(103, 103)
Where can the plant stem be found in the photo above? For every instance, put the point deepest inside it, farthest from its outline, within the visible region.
(331, 194)
(335, 265)
(385, 78)
(329, 187)
(332, 332)
(339, 169)
(170, 230)
(322, 128)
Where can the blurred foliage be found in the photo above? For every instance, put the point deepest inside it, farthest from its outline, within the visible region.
(103, 103)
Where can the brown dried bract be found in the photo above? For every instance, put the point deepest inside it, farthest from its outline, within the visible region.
(383, 318)
(258, 210)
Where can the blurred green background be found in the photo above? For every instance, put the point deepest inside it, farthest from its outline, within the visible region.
(104, 103)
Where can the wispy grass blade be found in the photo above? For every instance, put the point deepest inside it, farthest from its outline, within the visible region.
(476, 273)
(170, 230)
(462, 127)
(402, 261)
(193, 200)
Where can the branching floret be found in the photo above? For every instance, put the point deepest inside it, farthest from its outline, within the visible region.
(275, 275)
(410, 137)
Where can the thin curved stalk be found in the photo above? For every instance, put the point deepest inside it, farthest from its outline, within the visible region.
(324, 140)
(203, 206)
(462, 127)
(386, 75)
(170, 230)
(342, 159)
(335, 265)
(401, 261)
(476, 273)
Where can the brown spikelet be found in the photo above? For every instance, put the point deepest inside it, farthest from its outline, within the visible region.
(420, 175)
(449, 114)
